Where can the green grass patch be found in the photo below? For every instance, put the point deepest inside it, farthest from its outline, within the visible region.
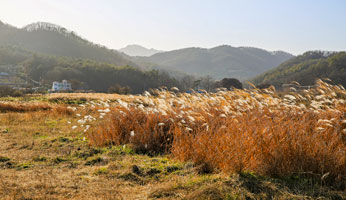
(58, 160)
(101, 171)
(4, 159)
(94, 161)
(24, 166)
(39, 159)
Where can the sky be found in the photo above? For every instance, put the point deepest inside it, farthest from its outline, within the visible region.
(294, 26)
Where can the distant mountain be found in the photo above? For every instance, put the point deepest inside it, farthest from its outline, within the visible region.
(47, 38)
(306, 68)
(219, 62)
(137, 50)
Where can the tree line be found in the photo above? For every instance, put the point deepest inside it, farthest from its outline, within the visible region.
(97, 76)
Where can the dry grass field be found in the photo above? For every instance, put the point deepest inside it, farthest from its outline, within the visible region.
(242, 144)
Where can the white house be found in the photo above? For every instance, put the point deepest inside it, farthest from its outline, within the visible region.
(3, 74)
(63, 86)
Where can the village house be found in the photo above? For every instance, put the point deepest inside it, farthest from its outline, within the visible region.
(61, 86)
(4, 74)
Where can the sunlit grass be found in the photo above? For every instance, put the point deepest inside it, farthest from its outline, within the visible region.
(263, 131)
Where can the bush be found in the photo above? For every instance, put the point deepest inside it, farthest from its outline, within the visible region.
(17, 93)
(6, 91)
(263, 86)
(231, 83)
(118, 89)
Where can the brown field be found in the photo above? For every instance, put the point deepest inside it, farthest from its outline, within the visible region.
(87, 96)
(242, 144)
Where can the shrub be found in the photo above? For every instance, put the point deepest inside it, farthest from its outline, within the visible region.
(6, 91)
(118, 89)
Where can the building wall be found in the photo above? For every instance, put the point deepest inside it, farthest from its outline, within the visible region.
(61, 86)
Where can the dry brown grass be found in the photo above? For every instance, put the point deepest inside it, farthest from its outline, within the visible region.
(252, 130)
(27, 107)
(44, 153)
(147, 135)
(22, 107)
(276, 145)
(83, 96)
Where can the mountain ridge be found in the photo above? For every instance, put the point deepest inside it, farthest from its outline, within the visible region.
(218, 62)
(138, 50)
(51, 39)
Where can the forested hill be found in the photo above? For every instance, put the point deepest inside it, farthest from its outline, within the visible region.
(46, 38)
(219, 62)
(82, 73)
(306, 68)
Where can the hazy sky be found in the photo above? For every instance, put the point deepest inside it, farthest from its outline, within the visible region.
(290, 25)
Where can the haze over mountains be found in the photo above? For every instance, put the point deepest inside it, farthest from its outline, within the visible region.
(218, 62)
(137, 50)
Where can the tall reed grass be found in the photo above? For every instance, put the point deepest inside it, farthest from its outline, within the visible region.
(255, 130)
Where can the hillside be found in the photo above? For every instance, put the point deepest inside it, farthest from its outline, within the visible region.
(137, 50)
(83, 73)
(46, 38)
(219, 62)
(306, 68)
